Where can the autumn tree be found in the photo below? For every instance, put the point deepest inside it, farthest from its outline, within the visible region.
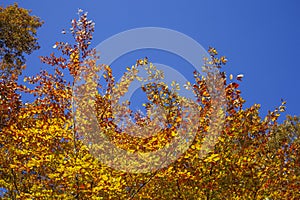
(18, 37)
(47, 157)
(18, 31)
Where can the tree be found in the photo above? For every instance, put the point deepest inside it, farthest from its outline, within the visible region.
(46, 156)
(18, 37)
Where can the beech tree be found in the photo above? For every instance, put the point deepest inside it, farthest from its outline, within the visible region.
(46, 157)
(18, 37)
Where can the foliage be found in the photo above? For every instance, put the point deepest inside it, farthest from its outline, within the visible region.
(18, 30)
(45, 157)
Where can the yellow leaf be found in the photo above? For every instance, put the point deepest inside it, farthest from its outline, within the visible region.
(212, 158)
(104, 177)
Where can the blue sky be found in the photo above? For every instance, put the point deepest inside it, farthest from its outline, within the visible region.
(260, 38)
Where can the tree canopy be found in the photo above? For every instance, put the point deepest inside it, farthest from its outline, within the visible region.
(45, 156)
(18, 37)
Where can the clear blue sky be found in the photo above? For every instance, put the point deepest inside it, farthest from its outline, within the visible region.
(260, 38)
